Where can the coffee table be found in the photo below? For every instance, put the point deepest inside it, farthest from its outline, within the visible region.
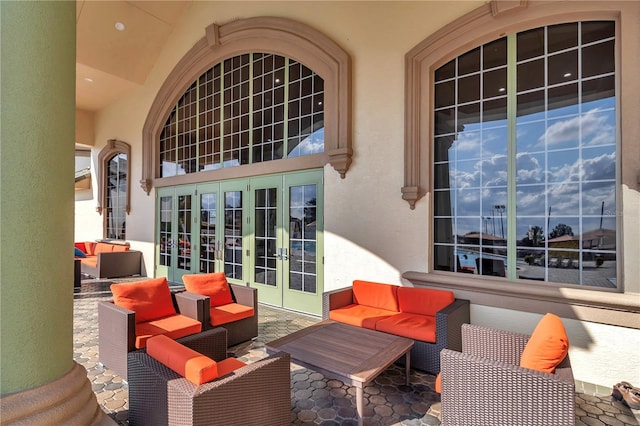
(353, 355)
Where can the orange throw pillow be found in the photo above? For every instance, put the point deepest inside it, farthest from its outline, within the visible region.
(214, 285)
(149, 299)
(547, 347)
(439, 383)
(191, 365)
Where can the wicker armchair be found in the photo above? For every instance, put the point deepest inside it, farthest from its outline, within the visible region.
(197, 306)
(258, 392)
(484, 384)
(117, 334)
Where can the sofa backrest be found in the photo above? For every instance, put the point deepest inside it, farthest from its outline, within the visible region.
(375, 295)
(423, 301)
(107, 248)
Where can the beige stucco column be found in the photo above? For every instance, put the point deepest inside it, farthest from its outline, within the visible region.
(39, 381)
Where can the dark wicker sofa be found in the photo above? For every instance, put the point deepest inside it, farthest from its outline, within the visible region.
(424, 355)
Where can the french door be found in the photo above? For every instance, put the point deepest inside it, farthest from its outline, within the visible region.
(264, 232)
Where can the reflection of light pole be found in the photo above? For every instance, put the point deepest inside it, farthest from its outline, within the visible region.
(485, 219)
(500, 208)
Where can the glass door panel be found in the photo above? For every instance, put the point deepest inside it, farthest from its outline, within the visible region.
(303, 273)
(268, 252)
(210, 243)
(233, 194)
(164, 239)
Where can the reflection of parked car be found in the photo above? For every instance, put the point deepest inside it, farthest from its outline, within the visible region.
(554, 262)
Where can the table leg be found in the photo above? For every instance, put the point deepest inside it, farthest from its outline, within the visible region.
(360, 404)
(407, 366)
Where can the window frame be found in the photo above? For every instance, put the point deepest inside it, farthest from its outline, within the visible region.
(279, 36)
(114, 147)
(484, 24)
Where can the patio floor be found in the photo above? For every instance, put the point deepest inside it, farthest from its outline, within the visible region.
(314, 399)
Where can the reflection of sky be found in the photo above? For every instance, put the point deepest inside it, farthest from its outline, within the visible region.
(312, 144)
(567, 164)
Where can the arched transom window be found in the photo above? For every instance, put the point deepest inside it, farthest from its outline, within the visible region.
(247, 109)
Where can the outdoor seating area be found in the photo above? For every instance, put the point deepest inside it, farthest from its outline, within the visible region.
(314, 398)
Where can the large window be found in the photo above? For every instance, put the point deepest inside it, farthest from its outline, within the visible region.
(114, 188)
(247, 109)
(525, 157)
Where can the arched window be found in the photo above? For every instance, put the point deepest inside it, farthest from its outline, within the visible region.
(114, 188)
(248, 109)
(512, 125)
(267, 94)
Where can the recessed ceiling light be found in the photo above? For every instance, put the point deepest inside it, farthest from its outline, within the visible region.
(502, 89)
(567, 74)
(120, 26)
(88, 80)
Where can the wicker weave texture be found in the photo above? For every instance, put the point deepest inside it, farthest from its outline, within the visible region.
(491, 390)
(159, 396)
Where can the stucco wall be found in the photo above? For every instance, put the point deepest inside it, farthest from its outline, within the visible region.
(370, 232)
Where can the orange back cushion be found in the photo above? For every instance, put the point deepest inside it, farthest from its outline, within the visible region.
(103, 248)
(191, 365)
(89, 247)
(149, 299)
(423, 301)
(119, 247)
(376, 295)
(214, 285)
(547, 347)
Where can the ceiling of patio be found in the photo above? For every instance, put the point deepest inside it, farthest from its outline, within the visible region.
(110, 62)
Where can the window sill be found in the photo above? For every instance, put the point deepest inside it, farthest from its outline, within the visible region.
(604, 307)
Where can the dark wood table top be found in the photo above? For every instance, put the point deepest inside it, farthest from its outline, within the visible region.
(353, 354)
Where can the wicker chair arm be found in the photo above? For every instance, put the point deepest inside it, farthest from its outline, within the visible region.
(193, 305)
(244, 295)
(480, 391)
(335, 299)
(116, 325)
(449, 320)
(491, 343)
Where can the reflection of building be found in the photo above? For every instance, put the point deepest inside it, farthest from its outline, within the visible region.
(476, 238)
(599, 239)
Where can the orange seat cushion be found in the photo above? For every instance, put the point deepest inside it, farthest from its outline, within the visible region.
(229, 365)
(547, 346)
(375, 295)
(191, 365)
(439, 383)
(214, 285)
(90, 260)
(360, 315)
(174, 326)
(229, 313)
(412, 326)
(149, 299)
(423, 301)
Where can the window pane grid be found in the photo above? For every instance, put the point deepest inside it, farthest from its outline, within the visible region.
(249, 108)
(116, 194)
(565, 174)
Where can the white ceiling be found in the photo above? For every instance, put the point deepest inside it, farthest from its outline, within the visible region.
(110, 63)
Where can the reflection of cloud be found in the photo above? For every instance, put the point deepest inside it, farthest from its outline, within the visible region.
(494, 171)
(529, 169)
(601, 167)
(468, 142)
(312, 144)
(595, 130)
